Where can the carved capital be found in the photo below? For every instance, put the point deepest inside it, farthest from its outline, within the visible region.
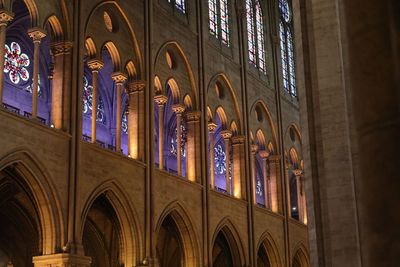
(37, 34)
(238, 140)
(226, 134)
(119, 77)
(178, 109)
(95, 64)
(263, 154)
(211, 127)
(135, 86)
(160, 100)
(5, 17)
(193, 116)
(297, 172)
(60, 48)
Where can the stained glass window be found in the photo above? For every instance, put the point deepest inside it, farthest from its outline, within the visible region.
(259, 189)
(219, 160)
(183, 142)
(287, 48)
(179, 4)
(87, 101)
(255, 35)
(16, 63)
(124, 122)
(218, 16)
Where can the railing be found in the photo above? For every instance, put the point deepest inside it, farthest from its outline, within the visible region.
(26, 114)
(29, 115)
(102, 144)
(11, 108)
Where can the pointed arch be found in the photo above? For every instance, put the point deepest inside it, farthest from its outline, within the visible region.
(229, 230)
(267, 243)
(114, 53)
(173, 85)
(127, 219)
(222, 116)
(261, 113)
(186, 230)
(224, 99)
(300, 258)
(44, 194)
(176, 52)
(57, 30)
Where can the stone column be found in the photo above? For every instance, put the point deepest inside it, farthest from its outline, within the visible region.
(193, 146)
(95, 65)
(254, 149)
(226, 135)
(264, 155)
(211, 128)
(119, 79)
(274, 183)
(5, 18)
(135, 119)
(62, 260)
(37, 35)
(58, 51)
(161, 100)
(300, 207)
(179, 109)
(238, 168)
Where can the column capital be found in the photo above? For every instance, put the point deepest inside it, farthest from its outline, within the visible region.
(211, 127)
(193, 116)
(5, 17)
(263, 154)
(160, 99)
(226, 134)
(95, 64)
(61, 48)
(254, 148)
(135, 86)
(119, 77)
(297, 172)
(37, 34)
(274, 158)
(178, 108)
(238, 139)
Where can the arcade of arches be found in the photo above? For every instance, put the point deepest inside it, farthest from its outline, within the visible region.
(196, 133)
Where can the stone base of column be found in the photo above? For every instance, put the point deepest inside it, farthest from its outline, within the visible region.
(62, 260)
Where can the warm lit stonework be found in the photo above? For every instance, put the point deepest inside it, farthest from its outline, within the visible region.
(199, 133)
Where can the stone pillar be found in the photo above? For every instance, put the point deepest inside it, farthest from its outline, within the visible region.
(211, 128)
(5, 18)
(36, 34)
(226, 135)
(179, 109)
(58, 51)
(264, 155)
(119, 79)
(161, 100)
(193, 146)
(238, 168)
(254, 149)
(274, 183)
(300, 207)
(135, 119)
(62, 260)
(95, 65)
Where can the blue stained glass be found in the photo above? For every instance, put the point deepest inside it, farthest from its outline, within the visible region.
(87, 101)
(174, 142)
(124, 122)
(179, 4)
(259, 189)
(219, 160)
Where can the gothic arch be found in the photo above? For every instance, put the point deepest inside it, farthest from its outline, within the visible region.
(300, 258)
(261, 118)
(44, 194)
(130, 233)
(179, 67)
(229, 231)
(128, 51)
(224, 95)
(186, 230)
(267, 243)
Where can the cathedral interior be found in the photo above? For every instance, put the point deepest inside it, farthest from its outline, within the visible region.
(189, 133)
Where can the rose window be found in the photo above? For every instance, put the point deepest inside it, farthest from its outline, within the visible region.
(16, 63)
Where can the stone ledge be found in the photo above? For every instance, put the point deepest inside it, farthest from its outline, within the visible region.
(61, 260)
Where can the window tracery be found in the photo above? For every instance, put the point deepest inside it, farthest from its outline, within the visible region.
(287, 48)
(174, 141)
(87, 101)
(16, 63)
(220, 160)
(255, 34)
(218, 17)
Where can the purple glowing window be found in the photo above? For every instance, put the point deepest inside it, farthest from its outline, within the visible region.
(15, 63)
(87, 101)
(183, 142)
(219, 160)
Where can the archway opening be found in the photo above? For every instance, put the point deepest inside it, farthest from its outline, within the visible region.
(221, 253)
(169, 248)
(102, 239)
(20, 230)
(262, 257)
